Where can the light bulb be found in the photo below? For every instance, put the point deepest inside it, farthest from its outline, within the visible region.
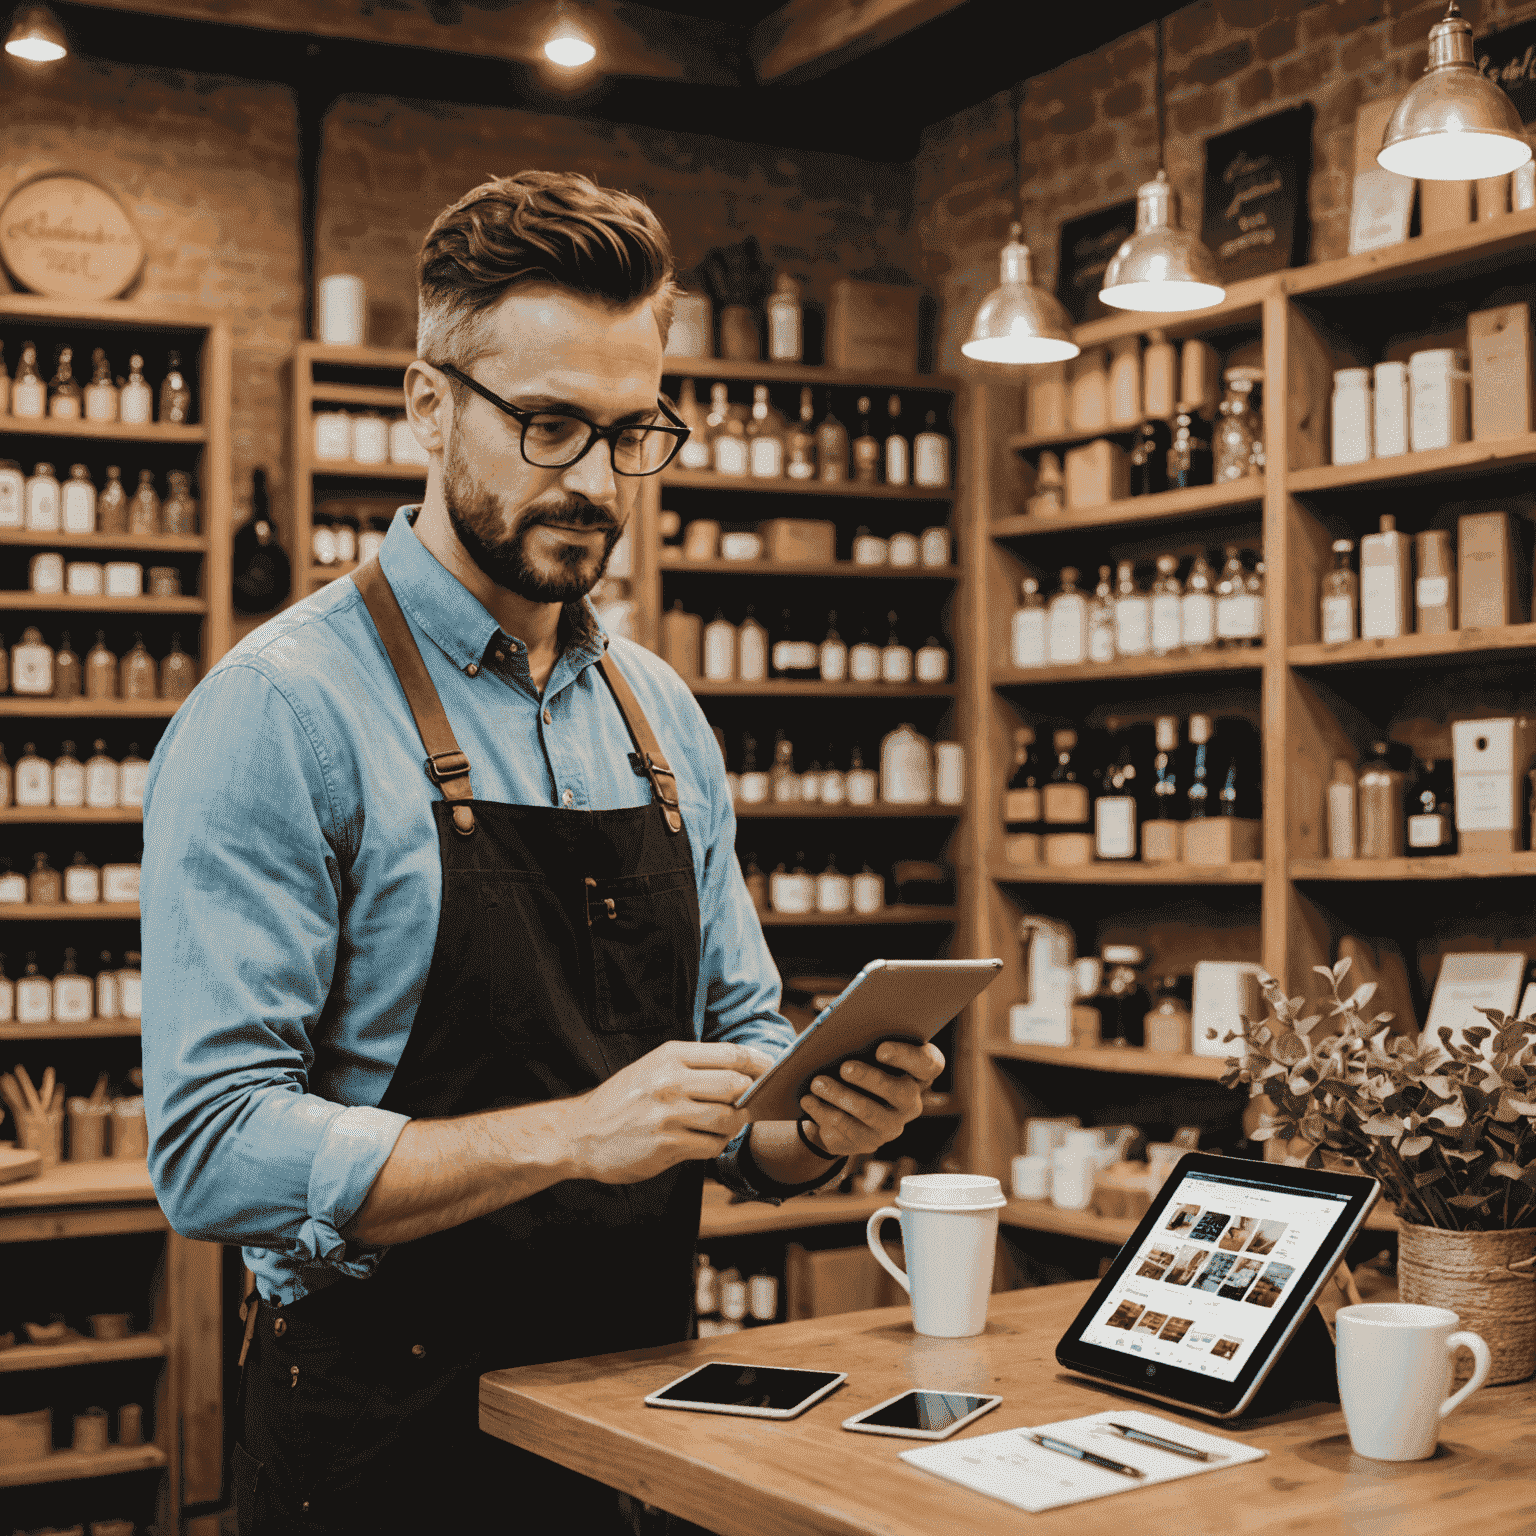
(36, 36)
(569, 49)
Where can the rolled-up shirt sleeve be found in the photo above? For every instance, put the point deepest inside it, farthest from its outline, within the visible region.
(240, 896)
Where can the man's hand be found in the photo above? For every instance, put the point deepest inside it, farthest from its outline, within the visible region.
(671, 1106)
(848, 1121)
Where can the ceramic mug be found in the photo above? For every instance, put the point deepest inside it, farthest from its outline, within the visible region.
(1394, 1363)
(949, 1235)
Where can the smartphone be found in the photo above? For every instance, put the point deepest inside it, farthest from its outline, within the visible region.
(758, 1391)
(922, 1415)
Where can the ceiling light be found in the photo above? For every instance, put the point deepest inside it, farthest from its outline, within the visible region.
(36, 36)
(567, 45)
(1017, 322)
(1453, 124)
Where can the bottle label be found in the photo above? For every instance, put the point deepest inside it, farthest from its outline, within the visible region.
(834, 662)
(863, 786)
(1237, 617)
(82, 886)
(323, 546)
(34, 782)
(1432, 591)
(731, 455)
(1338, 620)
(1029, 637)
(1381, 617)
(1068, 639)
(28, 397)
(1485, 802)
(79, 507)
(101, 785)
(1197, 618)
(134, 777)
(69, 784)
(1021, 805)
(1428, 831)
(754, 788)
(695, 453)
(130, 991)
(71, 999)
(1114, 827)
(720, 652)
(834, 893)
(935, 546)
(864, 664)
(43, 505)
(784, 332)
(34, 1000)
(135, 404)
(12, 500)
(767, 457)
(791, 893)
(833, 788)
(13, 889)
(794, 656)
(868, 893)
(1066, 804)
(896, 664)
(866, 459)
(1132, 626)
(106, 994)
(933, 664)
(1101, 641)
(1167, 628)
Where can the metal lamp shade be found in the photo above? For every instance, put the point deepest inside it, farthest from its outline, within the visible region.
(1161, 269)
(1453, 125)
(1017, 322)
(37, 36)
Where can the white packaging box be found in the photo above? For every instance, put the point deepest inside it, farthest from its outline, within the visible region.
(1467, 983)
(119, 882)
(1226, 991)
(125, 578)
(1491, 757)
(84, 578)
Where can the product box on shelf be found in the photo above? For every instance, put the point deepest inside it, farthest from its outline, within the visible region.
(1491, 758)
(1223, 840)
(1499, 342)
(1045, 1016)
(1226, 992)
(799, 539)
(872, 325)
(1485, 571)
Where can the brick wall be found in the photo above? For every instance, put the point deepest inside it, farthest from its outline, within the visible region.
(1089, 131)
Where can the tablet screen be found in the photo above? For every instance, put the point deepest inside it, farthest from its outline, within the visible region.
(722, 1384)
(1202, 1290)
(924, 1410)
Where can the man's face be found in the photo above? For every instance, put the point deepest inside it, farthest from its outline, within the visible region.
(546, 534)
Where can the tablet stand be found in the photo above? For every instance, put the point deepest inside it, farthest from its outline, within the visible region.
(1305, 1372)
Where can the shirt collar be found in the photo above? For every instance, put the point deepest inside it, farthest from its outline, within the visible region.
(455, 619)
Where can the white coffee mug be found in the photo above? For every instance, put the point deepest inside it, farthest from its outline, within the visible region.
(1395, 1363)
(949, 1234)
(1031, 1177)
(1073, 1171)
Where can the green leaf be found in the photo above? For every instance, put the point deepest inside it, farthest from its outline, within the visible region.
(1411, 1146)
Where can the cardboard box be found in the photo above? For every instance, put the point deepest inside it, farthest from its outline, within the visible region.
(1162, 842)
(1444, 205)
(1468, 982)
(1223, 840)
(1382, 207)
(872, 325)
(1491, 758)
(1499, 344)
(1485, 570)
(1096, 473)
(1068, 849)
(799, 539)
(1021, 847)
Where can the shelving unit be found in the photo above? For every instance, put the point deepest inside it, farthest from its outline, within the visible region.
(1313, 702)
(176, 1357)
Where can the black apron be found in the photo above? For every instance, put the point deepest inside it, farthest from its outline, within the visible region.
(567, 948)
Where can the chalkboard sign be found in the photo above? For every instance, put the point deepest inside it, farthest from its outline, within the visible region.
(1508, 58)
(1087, 245)
(1256, 194)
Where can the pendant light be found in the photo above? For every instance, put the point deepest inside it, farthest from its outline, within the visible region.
(1161, 269)
(1453, 124)
(36, 36)
(1019, 323)
(567, 44)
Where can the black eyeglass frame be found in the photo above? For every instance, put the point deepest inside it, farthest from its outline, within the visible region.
(678, 431)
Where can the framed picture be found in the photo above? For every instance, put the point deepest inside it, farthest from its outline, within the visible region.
(1256, 194)
(1087, 245)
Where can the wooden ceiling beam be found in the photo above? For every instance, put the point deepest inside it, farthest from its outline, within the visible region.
(806, 38)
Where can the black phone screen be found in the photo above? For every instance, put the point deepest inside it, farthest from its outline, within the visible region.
(924, 1410)
(746, 1386)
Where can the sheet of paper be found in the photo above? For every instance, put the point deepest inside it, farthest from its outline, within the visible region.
(1011, 1467)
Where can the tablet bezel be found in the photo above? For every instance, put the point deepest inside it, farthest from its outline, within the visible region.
(835, 1380)
(985, 1403)
(1190, 1389)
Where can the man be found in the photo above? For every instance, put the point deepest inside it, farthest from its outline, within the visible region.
(451, 976)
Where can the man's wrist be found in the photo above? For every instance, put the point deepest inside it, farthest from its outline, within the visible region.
(777, 1151)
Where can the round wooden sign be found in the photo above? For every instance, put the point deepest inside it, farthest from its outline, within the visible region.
(66, 236)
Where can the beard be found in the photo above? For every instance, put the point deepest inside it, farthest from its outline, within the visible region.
(499, 545)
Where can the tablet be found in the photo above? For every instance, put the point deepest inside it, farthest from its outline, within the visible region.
(908, 1000)
(1198, 1306)
(758, 1391)
(922, 1414)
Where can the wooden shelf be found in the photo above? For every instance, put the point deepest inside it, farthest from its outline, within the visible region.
(44, 815)
(64, 602)
(320, 574)
(103, 1182)
(149, 543)
(1461, 459)
(88, 709)
(66, 1466)
(91, 1029)
(1407, 649)
(1130, 872)
(1248, 659)
(41, 912)
(841, 569)
(719, 1218)
(1456, 866)
(53, 1357)
(1195, 501)
(810, 811)
(871, 381)
(1042, 1216)
(1028, 442)
(103, 431)
(885, 917)
(820, 690)
(360, 394)
(348, 469)
(1109, 1058)
(708, 480)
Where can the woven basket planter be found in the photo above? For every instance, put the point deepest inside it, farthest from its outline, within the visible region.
(1471, 1274)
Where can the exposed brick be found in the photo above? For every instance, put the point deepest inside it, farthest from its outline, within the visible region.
(1256, 87)
(1124, 101)
(1220, 64)
(1364, 48)
(1070, 115)
(1244, 15)
(1300, 76)
(1278, 38)
(1198, 113)
(1191, 28)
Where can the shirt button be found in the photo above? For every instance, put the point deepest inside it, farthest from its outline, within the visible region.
(473, 669)
(567, 797)
(419, 1350)
(549, 719)
(501, 655)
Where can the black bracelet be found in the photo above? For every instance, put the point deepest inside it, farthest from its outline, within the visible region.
(830, 1157)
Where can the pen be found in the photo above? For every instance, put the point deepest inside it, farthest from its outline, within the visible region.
(1132, 1433)
(1051, 1444)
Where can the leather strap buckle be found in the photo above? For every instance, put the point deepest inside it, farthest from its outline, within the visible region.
(443, 766)
(658, 772)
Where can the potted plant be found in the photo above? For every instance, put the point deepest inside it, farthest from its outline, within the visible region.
(1448, 1130)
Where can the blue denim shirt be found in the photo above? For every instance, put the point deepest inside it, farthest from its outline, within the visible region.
(292, 884)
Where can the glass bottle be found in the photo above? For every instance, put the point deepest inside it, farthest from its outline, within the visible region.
(864, 659)
(785, 331)
(101, 671)
(694, 454)
(831, 446)
(793, 658)
(13, 884)
(1432, 819)
(130, 982)
(1133, 613)
(783, 781)
(765, 437)
(754, 782)
(800, 444)
(906, 767)
(1128, 1001)
(1198, 792)
(1236, 430)
(175, 396)
(1028, 631)
(29, 395)
(1065, 800)
(895, 658)
(106, 987)
(179, 514)
(1101, 620)
(133, 776)
(34, 994)
(7, 996)
(71, 993)
(138, 671)
(834, 654)
(178, 672)
(45, 886)
(136, 401)
(868, 891)
(77, 501)
(1149, 458)
(144, 509)
(1189, 455)
(834, 785)
(1067, 622)
(862, 784)
(112, 504)
(751, 650)
(1343, 811)
(68, 777)
(1197, 607)
(728, 437)
(810, 785)
(101, 778)
(13, 496)
(898, 453)
(33, 778)
(64, 402)
(1234, 607)
(1022, 811)
(719, 649)
(1380, 788)
(32, 664)
(793, 890)
(930, 455)
(82, 882)
(1167, 607)
(866, 448)
(5, 779)
(1117, 809)
(1160, 833)
(1341, 596)
(931, 664)
(43, 512)
(101, 392)
(68, 674)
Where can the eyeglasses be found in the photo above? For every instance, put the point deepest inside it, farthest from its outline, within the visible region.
(558, 439)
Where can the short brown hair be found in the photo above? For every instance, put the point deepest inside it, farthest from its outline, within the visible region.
(536, 226)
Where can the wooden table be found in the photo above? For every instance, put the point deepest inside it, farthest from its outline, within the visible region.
(809, 1477)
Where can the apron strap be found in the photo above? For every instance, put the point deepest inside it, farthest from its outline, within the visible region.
(644, 738)
(446, 764)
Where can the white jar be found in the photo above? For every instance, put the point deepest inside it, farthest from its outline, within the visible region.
(119, 882)
(82, 885)
(870, 549)
(1440, 394)
(903, 549)
(370, 438)
(834, 891)
(906, 768)
(124, 578)
(868, 892)
(333, 434)
(1352, 415)
(13, 495)
(934, 547)
(1031, 1177)
(403, 447)
(1072, 1174)
(85, 578)
(45, 572)
(1391, 414)
(343, 310)
(792, 891)
(949, 772)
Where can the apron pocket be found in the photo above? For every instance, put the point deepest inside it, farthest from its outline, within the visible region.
(328, 1394)
(646, 955)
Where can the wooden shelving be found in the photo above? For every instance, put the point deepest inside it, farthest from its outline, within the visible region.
(1409, 650)
(818, 377)
(886, 917)
(359, 394)
(104, 431)
(53, 1357)
(819, 690)
(67, 1466)
(48, 815)
(842, 570)
(779, 485)
(1456, 866)
(109, 1179)
(1109, 1058)
(1459, 461)
(350, 469)
(808, 811)
(1130, 872)
(1194, 501)
(90, 1029)
(88, 709)
(719, 1218)
(65, 602)
(147, 543)
(58, 911)
(1197, 664)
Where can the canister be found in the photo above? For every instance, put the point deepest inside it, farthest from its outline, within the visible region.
(692, 333)
(164, 581)
(124, 578)
(45, 572)
(333, 435)
(85, 578)
(1390, 410)
(343, 310)
(1352, 416)
(1440, 398)
(904, 549)
(370, 438)
(934, 546)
